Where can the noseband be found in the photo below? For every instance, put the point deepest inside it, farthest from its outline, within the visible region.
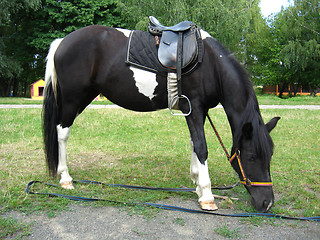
(246, 181)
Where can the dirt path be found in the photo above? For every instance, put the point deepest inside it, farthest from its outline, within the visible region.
(83, 221)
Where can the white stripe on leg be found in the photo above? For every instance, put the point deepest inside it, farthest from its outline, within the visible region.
(63, 135)
(200, 176)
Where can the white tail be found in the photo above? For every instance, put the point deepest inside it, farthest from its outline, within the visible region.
(51, 75)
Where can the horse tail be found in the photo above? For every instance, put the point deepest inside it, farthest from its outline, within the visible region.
(50, 111)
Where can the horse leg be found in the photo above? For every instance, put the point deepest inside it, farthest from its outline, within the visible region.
(199, 167)
(63, 135)
(70, 109)
(200, 176)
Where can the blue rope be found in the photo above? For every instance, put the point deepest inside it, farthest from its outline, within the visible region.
(160, 206)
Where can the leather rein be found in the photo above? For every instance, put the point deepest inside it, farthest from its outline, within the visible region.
(243, 179)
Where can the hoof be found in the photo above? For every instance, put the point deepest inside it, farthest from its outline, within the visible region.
(67, 185)
(208, 205)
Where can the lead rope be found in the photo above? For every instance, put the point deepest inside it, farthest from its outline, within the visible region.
(246, 181)
(160, 206)
(218, 136)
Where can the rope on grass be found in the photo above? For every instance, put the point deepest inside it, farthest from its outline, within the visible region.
(160, 206)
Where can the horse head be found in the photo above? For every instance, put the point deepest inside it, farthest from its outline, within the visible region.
(251, 160)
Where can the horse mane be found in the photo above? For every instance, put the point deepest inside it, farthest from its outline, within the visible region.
(262, 140)
(260, 135)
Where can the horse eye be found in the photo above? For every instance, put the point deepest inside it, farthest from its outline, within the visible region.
(252, 157)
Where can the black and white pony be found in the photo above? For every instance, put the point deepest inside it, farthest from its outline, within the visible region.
(90, 61)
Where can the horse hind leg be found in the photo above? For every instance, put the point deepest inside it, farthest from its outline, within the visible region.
(69, 111)
(63, 136)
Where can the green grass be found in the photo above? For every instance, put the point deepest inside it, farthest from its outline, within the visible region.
(21, 100)
(152, 149)
(227, 233)
(266, 99)
(12, 227)
(18, 100)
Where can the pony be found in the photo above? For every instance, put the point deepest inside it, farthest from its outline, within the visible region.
(91, 61)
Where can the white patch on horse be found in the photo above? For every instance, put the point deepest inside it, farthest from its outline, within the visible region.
(63, 135)
(200, 176)
(205, 34)
(126, 32)
(145, 81)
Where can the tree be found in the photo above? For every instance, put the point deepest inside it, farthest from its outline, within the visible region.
(33, 32)
(291, 49)
(229, 21)
(301, 53)
(10, 66)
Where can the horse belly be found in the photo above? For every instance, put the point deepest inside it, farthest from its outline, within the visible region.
(138, 90)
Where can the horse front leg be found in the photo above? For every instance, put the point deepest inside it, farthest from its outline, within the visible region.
(199, 166)
(63, 136)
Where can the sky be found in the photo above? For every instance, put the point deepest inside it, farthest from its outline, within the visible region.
(272, 6)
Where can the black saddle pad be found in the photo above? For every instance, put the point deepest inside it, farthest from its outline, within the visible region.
(142, 52)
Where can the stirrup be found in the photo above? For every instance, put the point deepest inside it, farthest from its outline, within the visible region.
(180, 114)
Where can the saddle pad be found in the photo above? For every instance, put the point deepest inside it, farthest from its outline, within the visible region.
(142, 52)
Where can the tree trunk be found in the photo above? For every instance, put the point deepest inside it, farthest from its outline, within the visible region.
(295, 89)
(282, 88)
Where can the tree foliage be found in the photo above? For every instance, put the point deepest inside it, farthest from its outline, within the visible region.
(291, 50)
(301, 52)
(27, 34)
(285, 49)
(10, 65)
(231, 21)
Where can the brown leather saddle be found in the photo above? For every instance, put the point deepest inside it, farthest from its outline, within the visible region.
(179, 44)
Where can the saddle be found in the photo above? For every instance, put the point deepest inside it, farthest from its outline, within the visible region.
(180, 48)
(178, 43)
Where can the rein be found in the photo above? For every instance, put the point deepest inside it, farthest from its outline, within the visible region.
(159, 206)
(245, 180)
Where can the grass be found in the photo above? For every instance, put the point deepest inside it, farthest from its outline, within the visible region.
(179, 221)
(227, 233)
(268, 99)
(21, 100)
(152, 149)
(10, 227)
(265, 99)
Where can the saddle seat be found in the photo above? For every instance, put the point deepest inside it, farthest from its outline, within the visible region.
(177, 43)
(156, 28)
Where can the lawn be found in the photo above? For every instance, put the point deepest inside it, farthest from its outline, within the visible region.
(152, 149)
(265, 99)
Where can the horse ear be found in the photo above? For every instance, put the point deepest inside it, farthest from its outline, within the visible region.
(272, 123)
(247, 130)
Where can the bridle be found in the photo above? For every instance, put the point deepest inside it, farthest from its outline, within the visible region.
(243, 179)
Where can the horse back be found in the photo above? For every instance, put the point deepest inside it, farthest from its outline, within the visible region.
(91, 60)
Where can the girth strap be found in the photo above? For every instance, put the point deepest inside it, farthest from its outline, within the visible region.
(179, 62)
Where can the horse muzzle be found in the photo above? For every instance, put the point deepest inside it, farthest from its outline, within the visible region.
(262, 198)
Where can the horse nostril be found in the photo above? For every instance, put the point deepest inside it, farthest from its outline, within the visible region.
(267, 205)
